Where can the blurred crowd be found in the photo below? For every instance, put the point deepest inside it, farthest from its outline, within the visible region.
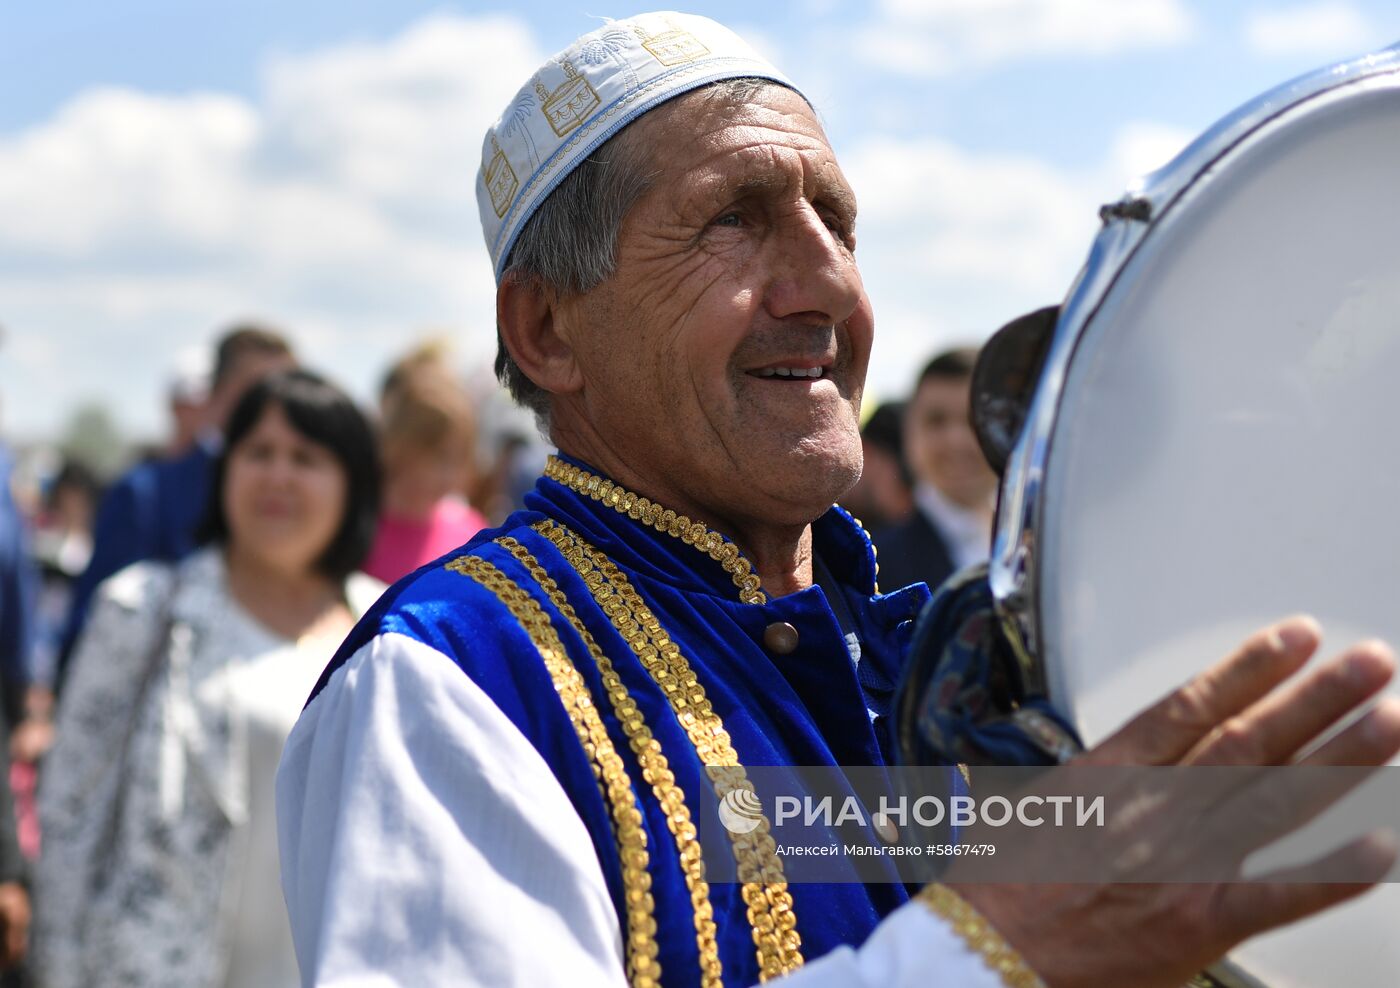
(160, 629)
(927, 494)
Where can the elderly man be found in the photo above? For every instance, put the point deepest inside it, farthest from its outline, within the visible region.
(496, 780)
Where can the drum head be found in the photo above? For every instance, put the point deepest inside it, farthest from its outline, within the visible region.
(1226, 449)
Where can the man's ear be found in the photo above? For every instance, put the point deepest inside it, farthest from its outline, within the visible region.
(527, 316)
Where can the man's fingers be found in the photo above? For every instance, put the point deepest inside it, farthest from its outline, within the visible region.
(16, 945)
(1247, 908)
(1275, 729)
(1289, 798)
(1166, 731)
(1373, 739)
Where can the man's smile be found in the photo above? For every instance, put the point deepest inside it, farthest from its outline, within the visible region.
(792, 373)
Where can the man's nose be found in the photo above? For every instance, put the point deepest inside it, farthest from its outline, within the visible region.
(813, 275)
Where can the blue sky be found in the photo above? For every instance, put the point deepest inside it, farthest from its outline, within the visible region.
(166, 167)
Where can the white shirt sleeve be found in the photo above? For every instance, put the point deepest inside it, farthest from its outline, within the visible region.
(424, 841)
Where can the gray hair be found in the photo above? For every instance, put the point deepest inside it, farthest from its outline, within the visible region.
(569, 246)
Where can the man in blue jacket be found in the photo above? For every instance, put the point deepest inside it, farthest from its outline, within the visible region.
(503, 775)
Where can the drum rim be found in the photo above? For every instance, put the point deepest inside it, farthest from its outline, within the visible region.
(1013, 572)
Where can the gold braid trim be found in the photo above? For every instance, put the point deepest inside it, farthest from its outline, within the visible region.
(664, 520)
(655, 769)
(874, 550)
(999, 956)
(765, 891)
(643, 968)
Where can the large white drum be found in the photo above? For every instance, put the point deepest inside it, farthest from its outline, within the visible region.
(1215, 442)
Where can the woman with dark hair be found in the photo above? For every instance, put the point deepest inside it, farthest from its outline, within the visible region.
(159, 863)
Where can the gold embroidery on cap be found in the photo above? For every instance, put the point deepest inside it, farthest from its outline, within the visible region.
(545, 171)
(673, 47)
(569, 104)
(500, 180)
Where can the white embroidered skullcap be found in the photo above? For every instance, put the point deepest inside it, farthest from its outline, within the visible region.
(586, 94)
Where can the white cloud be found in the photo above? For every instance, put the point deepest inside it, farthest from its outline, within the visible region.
(1327, 28)
(996, 217)
(936, 37)
(954, 243)
(392, 121)
(1145, 146)
(121, 167)
(339, 202)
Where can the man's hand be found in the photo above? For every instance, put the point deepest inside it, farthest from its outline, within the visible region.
(34, 734)
(14, 924)
(30, 740)
(1237, 713)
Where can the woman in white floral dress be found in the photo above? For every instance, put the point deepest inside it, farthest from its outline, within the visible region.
(159, 864)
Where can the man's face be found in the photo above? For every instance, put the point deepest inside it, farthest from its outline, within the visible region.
(247, 371)
(724, 359)
(939, 443)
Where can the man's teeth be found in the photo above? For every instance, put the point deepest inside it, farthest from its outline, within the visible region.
(790, 372)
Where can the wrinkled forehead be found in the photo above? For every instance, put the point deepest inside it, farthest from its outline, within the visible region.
(586, 94)
(764, 141)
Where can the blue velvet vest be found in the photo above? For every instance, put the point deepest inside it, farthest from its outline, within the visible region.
(581, 575)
